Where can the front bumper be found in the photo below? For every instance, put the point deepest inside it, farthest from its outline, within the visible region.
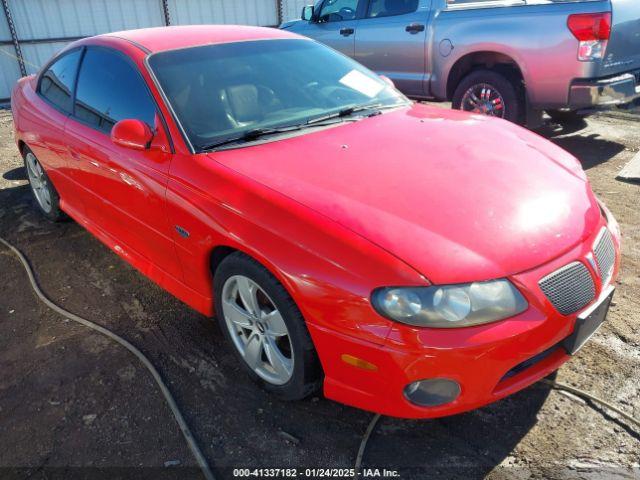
(606, 92)
(489, 362)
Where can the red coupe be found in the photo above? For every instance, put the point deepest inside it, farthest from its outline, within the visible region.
(412, 261)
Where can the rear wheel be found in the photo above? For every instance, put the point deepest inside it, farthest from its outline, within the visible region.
(265, 328)
(488, 92)
(44, 192)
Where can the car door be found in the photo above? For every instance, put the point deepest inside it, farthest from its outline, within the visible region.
(124, 188)
(391, 40)
(335, 23)
(52, 104)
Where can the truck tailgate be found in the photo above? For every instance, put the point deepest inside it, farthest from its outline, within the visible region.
(623, 51)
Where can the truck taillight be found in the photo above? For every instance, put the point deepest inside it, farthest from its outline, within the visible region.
(592, 31)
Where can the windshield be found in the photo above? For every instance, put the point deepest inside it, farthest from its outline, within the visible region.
(219, 92)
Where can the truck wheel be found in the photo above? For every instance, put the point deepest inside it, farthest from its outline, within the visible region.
(566, 117)
(490, 93)
(265, 328)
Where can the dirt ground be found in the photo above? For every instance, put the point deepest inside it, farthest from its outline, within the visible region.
(75, 405)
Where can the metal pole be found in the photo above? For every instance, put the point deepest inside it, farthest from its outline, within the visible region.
(280, 7)
(165, 11)
(14, 37)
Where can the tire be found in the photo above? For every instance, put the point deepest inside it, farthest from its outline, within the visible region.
(504, 87)
(44, 193)
(233, 275)
(566, 117)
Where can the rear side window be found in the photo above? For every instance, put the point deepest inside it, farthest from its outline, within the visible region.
(56, 83)
(109, 90)
(390, 8)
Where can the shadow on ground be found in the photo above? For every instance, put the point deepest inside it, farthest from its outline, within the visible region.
(18, 173)
(591, 149)
(69, 397)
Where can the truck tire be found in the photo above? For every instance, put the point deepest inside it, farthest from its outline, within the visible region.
(491, 93)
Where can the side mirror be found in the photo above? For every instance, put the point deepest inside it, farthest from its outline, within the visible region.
(131, 133)
(307, 13)
(387, 80)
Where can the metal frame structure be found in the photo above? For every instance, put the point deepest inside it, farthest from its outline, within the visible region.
(14, 37)
(16, 41)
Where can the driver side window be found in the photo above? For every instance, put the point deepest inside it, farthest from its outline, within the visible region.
(338, 10)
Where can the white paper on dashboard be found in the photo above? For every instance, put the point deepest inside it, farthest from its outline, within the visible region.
(361, 83)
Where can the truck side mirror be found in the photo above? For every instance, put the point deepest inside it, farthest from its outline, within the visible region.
(307, 13)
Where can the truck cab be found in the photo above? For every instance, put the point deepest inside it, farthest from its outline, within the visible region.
(508, 58)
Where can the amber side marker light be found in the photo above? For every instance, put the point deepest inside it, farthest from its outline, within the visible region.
(358, 362)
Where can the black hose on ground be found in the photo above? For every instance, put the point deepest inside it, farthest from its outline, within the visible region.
(184, 428)
(558, 386)
(186, 432)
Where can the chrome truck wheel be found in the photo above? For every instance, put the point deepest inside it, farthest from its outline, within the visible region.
(493, 93)
(484, 99)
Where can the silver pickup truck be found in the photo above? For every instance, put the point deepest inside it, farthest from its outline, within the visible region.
(507, 58)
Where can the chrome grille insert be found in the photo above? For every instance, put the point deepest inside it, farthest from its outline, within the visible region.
(569, 288)
(605, 254)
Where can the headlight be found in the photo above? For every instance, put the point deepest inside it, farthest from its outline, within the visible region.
(450, 306)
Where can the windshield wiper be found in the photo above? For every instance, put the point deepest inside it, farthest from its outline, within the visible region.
(256, 133)
(346, 112)
(251, 135)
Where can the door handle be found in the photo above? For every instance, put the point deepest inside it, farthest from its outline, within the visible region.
(415, 28)
(345, 32)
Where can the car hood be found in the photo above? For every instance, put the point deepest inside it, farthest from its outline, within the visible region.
(459, 197)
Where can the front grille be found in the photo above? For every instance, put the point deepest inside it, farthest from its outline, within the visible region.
(570, 288)
(605, 254)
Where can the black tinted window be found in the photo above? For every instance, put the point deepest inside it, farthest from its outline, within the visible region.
(110, 90)
(56, 84)
(222, 91)
(338, 10)
(389, 8)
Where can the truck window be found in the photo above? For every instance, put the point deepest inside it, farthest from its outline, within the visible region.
(389, 8)
(338, 10)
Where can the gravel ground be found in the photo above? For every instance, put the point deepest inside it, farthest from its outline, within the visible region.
(70, 399)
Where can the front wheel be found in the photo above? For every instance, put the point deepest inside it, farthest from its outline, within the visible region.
(265, 328)
(490, 93)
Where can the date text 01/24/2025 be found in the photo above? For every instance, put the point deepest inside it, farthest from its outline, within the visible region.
(313, 473)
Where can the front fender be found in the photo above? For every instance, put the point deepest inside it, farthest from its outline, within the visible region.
(328, 270)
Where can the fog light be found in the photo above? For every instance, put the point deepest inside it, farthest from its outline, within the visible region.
(432, 392)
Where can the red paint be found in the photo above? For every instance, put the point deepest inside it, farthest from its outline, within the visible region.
(590, 26)
(412, 197)
(131, 133)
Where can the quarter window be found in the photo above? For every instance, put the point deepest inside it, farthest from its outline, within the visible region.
(110, 90)
(56, 83)
(338, 10)
(389, 8)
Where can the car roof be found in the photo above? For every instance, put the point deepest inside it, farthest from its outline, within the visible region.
(158, 39)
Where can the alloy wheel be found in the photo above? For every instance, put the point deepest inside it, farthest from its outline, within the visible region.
(484, 99)
(39, 183)
(258, 329)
